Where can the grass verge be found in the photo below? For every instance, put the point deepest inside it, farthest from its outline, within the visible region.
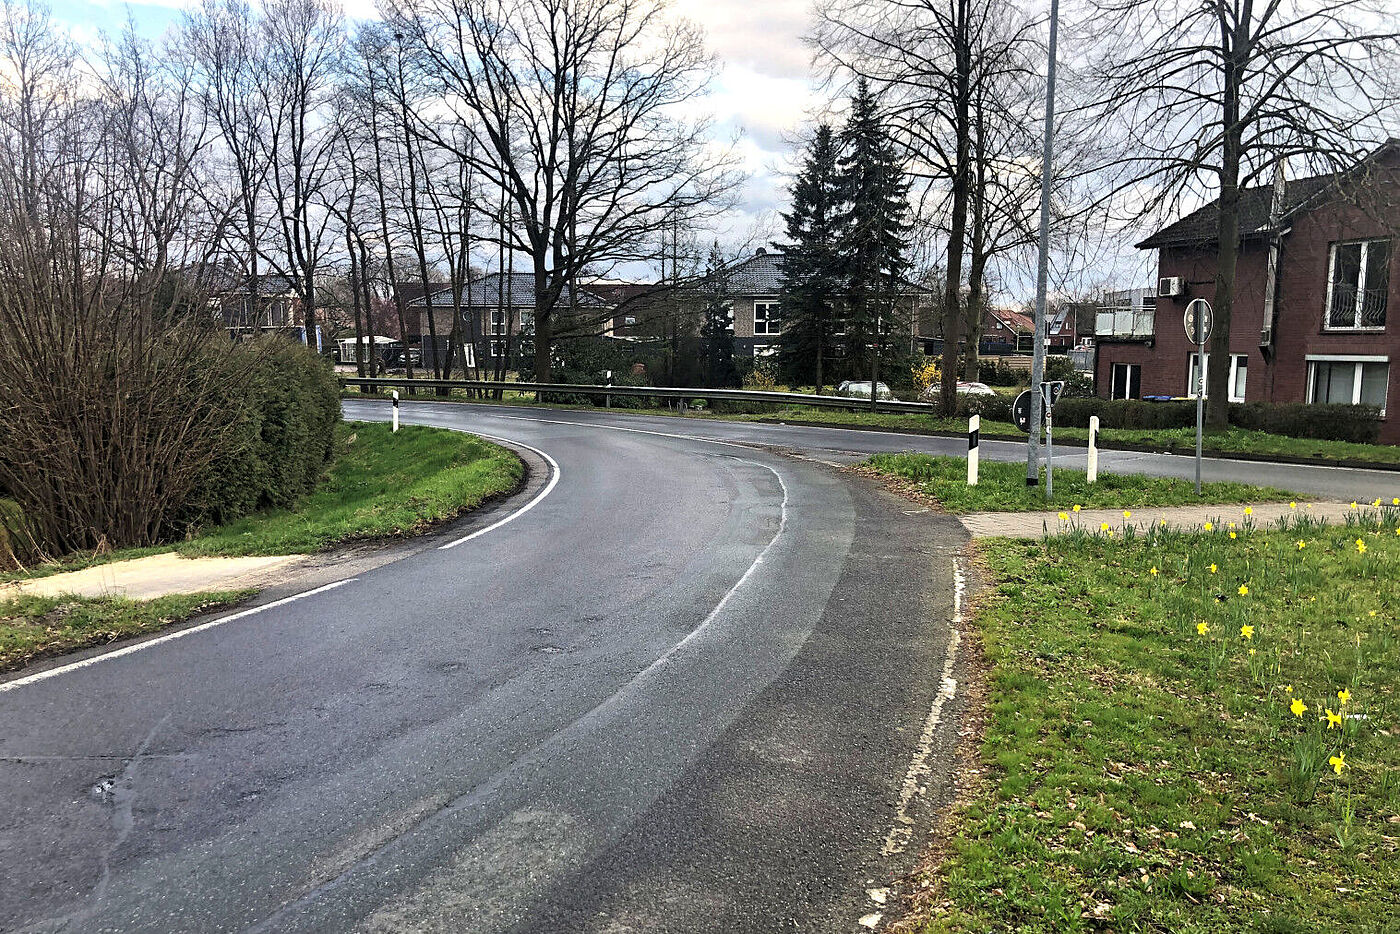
(34, 627)
(380, 485)
(1185, 733)
(1002, 487)
(1234, 441)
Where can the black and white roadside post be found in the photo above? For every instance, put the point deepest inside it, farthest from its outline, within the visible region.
(1093, 467)
(395, 394)
(1050, 393)
(1199, 320)
(607, 397)
(974, 429)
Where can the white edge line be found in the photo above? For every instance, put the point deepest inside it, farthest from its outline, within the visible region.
(903, 830)
(170, 637)
(548, 488)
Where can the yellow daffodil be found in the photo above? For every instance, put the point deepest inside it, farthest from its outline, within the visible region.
(1298, 707)
(1244, 590)
(1344, 696)
(1209, 526)
(1249, 510)
(1251, 653)
(1247, 631)
(1360, 547)
(1377, 502)
(1353, 504)
(1288, 689)
(1109, 533)
(1333, 720)
(1103, 526)
(1373, 612)
(1395, 501)
(1154, 572)
(1233, 535)
(1213, 569)
(1338, 762)
(1302, 545)
(1202, 628)
(1292, 505)
(1161, 521)
(1229, 525)
(1064, 517)
(1077, 507)
(1127, 514)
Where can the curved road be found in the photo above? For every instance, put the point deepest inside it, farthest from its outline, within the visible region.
(695, 687)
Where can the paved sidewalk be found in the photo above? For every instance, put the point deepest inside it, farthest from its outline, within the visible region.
(154, 576)
(1035, 524)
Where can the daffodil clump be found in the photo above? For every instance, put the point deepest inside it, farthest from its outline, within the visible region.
(1188, 730)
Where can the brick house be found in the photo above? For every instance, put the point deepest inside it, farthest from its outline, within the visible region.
(1315, 280)
(1006, 331)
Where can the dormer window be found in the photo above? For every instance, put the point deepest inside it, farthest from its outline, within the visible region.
(1358, 285)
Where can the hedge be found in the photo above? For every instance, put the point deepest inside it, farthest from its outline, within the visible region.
(1356, 423)
(286, 414)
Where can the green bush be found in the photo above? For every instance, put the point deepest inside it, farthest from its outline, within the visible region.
(286, 412)
(1357, 423)
(992, 408)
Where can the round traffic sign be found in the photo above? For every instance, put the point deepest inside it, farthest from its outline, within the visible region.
(1021, 411)
(1199, 319)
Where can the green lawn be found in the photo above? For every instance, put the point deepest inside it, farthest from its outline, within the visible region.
(380, 485)
(33, 627)
(1002, 487)
(1179, 440)
(1185, 733)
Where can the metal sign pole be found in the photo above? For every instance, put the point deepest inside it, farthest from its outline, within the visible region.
(1049, 444)
(1200, 405)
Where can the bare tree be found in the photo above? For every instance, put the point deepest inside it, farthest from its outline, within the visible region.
(1213, 95)
(933, 63)
(573, 108)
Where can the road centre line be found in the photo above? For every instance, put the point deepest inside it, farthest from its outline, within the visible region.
(903, 830)
(169, 637)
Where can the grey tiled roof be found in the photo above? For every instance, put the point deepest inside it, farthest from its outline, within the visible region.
(485, 292)
(1200, 225)
(760, 274)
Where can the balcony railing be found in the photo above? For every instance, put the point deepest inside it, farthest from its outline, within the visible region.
(1125, 322)
(1353, 309)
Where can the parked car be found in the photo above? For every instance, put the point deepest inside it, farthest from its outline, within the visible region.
(860, 389)
(975, 389)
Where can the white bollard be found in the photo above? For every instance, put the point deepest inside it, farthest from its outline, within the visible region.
(1093, 448)
(395, 394)
(974, 427)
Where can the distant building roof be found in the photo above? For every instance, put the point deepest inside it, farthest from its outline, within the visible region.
(516, 290)
(1256, 203)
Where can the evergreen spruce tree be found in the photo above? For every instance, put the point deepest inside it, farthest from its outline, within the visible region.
(872, 230)
(716, 328)
(811, 267)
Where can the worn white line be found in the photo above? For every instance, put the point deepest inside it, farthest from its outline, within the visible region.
(170, 637)
(903, 830)
(548, 488)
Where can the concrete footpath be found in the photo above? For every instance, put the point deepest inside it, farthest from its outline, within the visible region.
(155, 576)
(1036, 524)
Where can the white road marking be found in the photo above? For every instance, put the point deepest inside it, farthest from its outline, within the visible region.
(548, 488)
(903, 829)
(170, 637)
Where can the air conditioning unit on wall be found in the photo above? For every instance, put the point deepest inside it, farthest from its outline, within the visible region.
(1170, 287)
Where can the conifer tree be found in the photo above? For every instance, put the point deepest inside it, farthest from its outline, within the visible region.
(811, 266)
(872, 228)
(717, 327)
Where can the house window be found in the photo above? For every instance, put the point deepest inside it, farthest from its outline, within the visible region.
(498, 324)
(1126, 382)
(767, 319)
(629, 320)
(498, 348)
(1239, 371)
(1348, 380)
(1358, 284)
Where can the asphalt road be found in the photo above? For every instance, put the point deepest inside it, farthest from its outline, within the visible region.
(694, 687)
(842, 445)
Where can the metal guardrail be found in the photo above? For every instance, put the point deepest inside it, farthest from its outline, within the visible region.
(652, 392)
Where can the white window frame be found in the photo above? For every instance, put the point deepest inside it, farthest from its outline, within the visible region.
(1356, 324)
(497, 321)
(1360, 361)
(1235, 368)
(1127, 383)
(768, 330)
(498, 348)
